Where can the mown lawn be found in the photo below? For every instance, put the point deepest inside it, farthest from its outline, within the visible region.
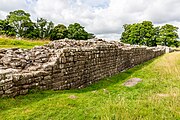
(26, 44)
(157, 97)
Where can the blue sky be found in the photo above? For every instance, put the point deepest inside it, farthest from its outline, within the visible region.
(105, 18)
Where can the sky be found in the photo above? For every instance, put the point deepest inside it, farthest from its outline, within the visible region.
(104, 18)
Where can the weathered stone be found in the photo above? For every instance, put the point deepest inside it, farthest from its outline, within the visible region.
(40, 73)
(48, 66)
(16, 77)
(25, 86)
(34, 68)
(67, 64)
(27, 75)
(8, 91)
(132, 82)
(1, 93)
(23, 92)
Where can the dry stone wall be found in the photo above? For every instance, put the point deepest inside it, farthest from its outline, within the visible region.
(67, 64)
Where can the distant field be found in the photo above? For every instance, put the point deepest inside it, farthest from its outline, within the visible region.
(26, 44)
(178, 48)
(157, 97)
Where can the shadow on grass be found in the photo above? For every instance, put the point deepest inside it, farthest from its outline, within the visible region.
(37, 95)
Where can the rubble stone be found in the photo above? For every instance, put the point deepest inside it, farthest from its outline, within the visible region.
(67, 64)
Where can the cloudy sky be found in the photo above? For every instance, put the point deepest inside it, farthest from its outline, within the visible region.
(105, 18)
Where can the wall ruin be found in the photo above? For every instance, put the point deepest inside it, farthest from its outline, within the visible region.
(67, 64)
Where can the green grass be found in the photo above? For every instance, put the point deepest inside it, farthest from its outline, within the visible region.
(26, 44)
(157, 97)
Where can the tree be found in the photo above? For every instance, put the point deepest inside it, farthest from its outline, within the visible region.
(18, 20)
(168, 35)
(59, 32)
(146, 34)
(91, 36)
(50, 27)
(41, 25)
(125, 37)
(19, 23)
(155, 41)
(176, 43)
(44, 27)
(32, 32)
(139, 34)
(76, 31)
(6, 29)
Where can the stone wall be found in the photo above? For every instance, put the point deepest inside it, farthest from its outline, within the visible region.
(67, 64)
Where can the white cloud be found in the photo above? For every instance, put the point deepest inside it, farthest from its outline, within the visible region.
(9, 5)
(105, 18)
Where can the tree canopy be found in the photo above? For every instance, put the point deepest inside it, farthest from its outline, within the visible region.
(76, 31)
(168, 35)
(59, 32)
(146, 34)
(6, 29)
(18, 23)
(19, 20)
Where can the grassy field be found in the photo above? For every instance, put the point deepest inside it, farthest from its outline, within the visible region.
(157, 97)
(26, 44)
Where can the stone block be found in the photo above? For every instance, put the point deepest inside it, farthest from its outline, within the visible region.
(23, 92)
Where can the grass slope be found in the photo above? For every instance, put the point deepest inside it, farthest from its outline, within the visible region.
(156, 98)
(26, 44)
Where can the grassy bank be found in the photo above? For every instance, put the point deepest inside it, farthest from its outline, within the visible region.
(27, 44)
(157, 97)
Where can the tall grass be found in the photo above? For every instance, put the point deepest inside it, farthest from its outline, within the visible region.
(159, 94)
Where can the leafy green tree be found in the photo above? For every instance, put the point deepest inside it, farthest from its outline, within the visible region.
(131, 33)
(76, 31)
(41, 26)
(91, 36)
(147, 31)
(6, 29)
(168, 35)
(32, 32)
(44, 27)
(139, 34)
(155, 41)
(2, 27)
(19, 23)
(125, 37)
(176, 43)
(18, 20)
(50, 27)
(59, 32)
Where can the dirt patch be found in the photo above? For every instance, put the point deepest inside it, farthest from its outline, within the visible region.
(132, 82)
(163, 95)
(166, 95)
(72, 97)
(105, 91)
